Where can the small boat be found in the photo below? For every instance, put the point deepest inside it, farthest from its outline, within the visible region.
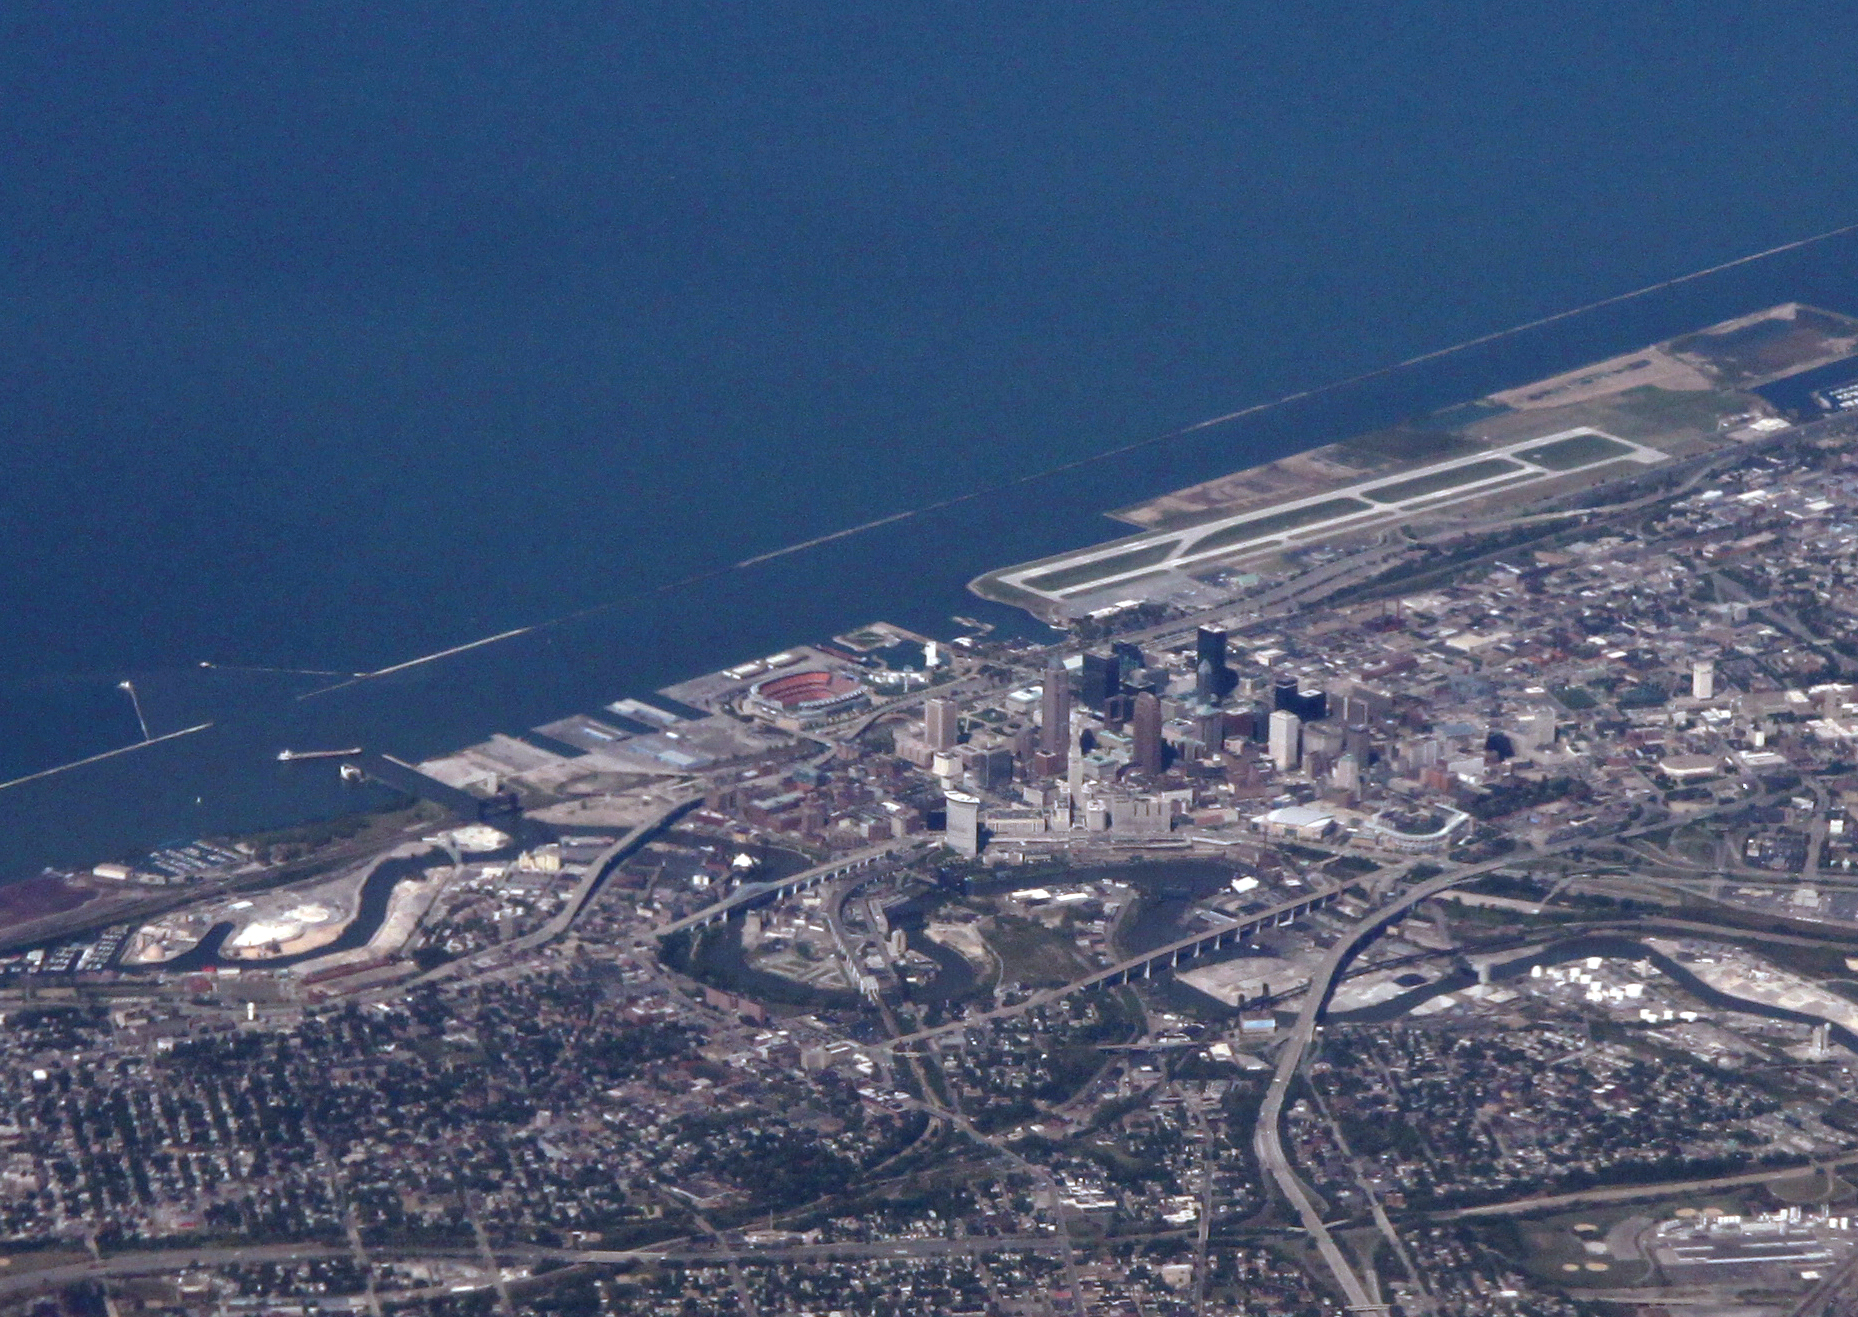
(291, 756)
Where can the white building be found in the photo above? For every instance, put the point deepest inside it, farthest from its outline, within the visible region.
(1413, 832)
(964, 823)
(1296, 823)
(1286, 740)
(1532, 731)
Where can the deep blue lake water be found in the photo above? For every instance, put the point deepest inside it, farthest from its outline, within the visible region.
(334, 336)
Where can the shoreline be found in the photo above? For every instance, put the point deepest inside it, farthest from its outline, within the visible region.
(1518, 448)
(1163, 581)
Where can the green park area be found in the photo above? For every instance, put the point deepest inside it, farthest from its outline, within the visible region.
(1032, 954)
(1577, 450)
(1435, 481)
(1403, 443)
(1258, 528)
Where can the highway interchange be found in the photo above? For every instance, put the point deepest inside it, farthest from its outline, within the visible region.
(1268, 1137)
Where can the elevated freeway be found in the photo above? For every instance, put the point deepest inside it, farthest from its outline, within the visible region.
(1143, 965)
(596, 875)
(1268, 1137)
(156, 1262)
(1217, 939)
(753, 894)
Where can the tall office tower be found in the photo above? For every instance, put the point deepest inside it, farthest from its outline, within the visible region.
(1206, 683)
(1347, 774)
(994, 769)
(1055, 712)
(1210, 646)
(1075, 774)
(1102, 680)
(1286, 740)
(1210, 649)
(1148, 679)
(1364, 704)
(1210, 729)
(1148, 749)
(964, 823)
(1533, 729)
(1703, 679)
(1422, 753)
(941, 724)
(1355, 742)
(1323, 739)
(1310, 706)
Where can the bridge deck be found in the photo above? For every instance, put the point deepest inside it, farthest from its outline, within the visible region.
(752, 893)
(1121, 972)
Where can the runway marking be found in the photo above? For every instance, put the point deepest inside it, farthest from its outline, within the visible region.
(107, 754)
(1254, 409)
(1332, 386)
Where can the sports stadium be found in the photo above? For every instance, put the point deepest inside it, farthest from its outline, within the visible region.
(807, 698)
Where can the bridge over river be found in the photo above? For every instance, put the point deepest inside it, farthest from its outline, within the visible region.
(749, 895)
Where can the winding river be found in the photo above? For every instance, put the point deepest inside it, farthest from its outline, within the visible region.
(1610, 946)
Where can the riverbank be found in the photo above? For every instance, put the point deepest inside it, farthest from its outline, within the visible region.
(408, 904)
(1660, 953)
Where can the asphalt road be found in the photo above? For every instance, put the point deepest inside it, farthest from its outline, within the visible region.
(555, 927)
(1627, 1192)
(751, 893)
(1263, 919)
(164, 1261)
(1268, 1139)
